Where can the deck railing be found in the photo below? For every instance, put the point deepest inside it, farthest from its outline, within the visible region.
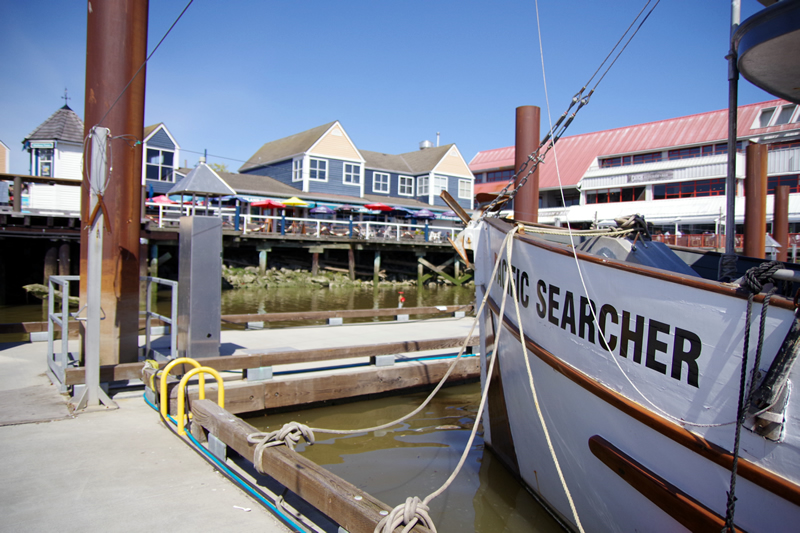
(168, 215)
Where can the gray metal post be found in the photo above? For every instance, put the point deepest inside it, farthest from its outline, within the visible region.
(92, 393)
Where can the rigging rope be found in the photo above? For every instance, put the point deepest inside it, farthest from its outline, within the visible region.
(754, 280)
(557, 131)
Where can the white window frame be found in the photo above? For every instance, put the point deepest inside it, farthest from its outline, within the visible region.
(409, 186)
(464, 189)
(437, 184)
(387, 184)
(297, 169)
(353, 176)
(160, 165)
(319, 170)
(422, 186)
(41, 161)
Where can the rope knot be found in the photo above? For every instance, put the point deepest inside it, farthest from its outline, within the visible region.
(406, 514)
(290, 434)
(755, 278)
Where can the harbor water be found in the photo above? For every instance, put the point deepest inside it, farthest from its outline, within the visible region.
(415, 457)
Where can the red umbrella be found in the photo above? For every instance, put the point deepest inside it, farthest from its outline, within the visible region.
(163, 199)
(272, 204)
(378, 207)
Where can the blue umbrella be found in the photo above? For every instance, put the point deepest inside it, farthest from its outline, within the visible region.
(424, 214)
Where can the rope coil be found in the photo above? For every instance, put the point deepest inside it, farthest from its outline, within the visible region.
(289, 435)
(410, 513)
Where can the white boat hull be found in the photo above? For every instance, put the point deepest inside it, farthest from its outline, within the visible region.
(682, 357)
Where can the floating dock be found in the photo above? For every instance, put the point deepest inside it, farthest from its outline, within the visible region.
(124, 467)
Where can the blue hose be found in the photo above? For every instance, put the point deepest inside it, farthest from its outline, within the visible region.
(234, 477)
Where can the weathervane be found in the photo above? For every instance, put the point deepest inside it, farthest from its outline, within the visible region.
(65, 97)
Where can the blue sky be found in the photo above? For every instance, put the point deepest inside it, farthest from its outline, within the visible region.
(234, 75)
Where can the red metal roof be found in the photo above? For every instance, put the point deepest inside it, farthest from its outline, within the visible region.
(577, 153)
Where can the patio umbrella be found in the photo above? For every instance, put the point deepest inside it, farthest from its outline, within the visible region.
(269, 203)
(400, 211)
(378, 207)
(162, 199)
(424, 214)
(347, 208)
(322, 210)
(450, 214)
(294, 201)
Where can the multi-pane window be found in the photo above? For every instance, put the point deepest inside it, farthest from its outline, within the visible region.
(500, 175)
(318, 169)
(406, 186)
(297, 170)
(689, 189)
(439, 184)
(652, 157)
(352, 174)
(765, 117)
(159, 165)
(45, 162)
(791, 181)
(610, 196)
(464, 189)
(380, 182)
(422, 186)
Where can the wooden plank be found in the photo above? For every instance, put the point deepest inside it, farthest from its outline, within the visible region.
(353, 509)
(686, 510)
(243, 397)
(350, 313)
(37, 327)
(127, 371)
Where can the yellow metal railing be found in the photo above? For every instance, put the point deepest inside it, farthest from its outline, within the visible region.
(164, 373)
(202, 393)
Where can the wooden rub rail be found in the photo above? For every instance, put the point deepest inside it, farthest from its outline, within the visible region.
(349, 313)
(354, 510)
(128, 371)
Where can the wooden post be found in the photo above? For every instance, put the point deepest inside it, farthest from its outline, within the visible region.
(376, 268)
(351, 262)
(262, 262)
(50, 264)
(116, 49)
(314, 263)
(16, 205)
(63, 259)
(420, 269)
(755, 201)
(526, 203)
(457, 266)
(153, 270)
(780, 221)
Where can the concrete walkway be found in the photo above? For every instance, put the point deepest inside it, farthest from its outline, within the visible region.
(122, 470)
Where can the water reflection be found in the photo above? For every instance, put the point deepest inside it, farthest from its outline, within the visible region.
(415, 458)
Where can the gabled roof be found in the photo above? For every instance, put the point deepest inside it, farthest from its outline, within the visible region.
(577, 153)
(285, 148)
(416, 162)
(63, 125)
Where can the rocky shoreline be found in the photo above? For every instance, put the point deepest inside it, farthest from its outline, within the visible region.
(249, 277)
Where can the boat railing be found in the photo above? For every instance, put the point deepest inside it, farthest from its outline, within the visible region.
(57, 362)
(149, 314)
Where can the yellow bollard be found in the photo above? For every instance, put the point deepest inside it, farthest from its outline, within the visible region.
(202, 393)
(165, 373)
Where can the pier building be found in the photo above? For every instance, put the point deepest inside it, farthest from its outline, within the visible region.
(672, 172)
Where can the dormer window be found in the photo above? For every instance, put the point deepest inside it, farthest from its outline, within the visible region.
(765, 117)
(785, 114)
(297, 170)
(160, 165)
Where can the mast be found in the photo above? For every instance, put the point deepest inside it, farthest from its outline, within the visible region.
(728, 260)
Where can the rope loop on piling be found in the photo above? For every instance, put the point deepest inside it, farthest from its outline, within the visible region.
(289, 435)
(407, 514)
